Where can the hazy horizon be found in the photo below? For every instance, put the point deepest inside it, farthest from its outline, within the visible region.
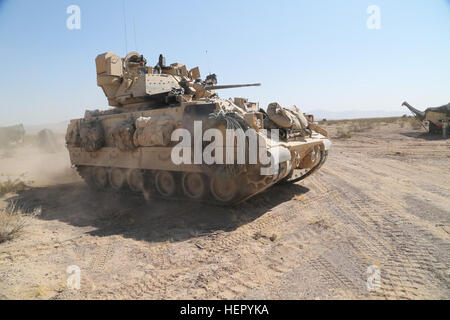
(61, 126)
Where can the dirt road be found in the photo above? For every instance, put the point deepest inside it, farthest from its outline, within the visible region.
(381, 203)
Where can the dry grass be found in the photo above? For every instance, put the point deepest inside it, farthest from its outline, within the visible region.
(13, 220)
(12, 186)
(411, 122)
(365, 122)
(342, 133)
(362, 126)
(345, 127)
(348, 126)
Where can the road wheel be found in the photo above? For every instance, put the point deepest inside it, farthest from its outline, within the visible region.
(117, 178)
(165, 183)
(223, 188)
(99, 177)
(194, 185)
(135, 179)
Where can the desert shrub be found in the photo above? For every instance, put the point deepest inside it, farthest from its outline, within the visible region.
(342, 133)
(361, 126)
(12, 222)
(12, 186)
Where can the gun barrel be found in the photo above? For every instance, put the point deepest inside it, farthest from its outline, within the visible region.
(230, 86)
(419, 114)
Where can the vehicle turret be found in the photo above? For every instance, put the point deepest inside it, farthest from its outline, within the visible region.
(129, 82)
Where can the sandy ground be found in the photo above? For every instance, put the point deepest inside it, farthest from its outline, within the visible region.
(382, 199)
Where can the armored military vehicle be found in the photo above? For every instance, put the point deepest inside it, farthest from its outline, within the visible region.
(436, 118)
(168, 134)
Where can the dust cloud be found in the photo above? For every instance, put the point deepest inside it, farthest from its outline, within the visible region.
(36, 166)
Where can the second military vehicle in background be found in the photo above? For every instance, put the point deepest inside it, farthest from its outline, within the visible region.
(437, 119)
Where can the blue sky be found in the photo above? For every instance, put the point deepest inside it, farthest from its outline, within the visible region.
(318, 55)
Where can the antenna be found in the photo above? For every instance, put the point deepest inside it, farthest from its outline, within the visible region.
(125, 27)
(134, 31)
(207, 61)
